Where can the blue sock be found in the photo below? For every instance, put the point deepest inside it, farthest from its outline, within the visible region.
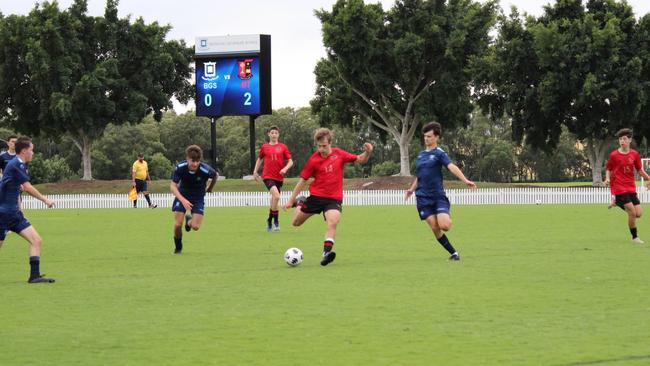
(444, 241)
(35, 264)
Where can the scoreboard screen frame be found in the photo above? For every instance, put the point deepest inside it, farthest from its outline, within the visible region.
(235, 84)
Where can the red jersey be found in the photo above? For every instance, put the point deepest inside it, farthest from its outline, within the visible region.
(274, 157)
(327, 173)
(621, 167)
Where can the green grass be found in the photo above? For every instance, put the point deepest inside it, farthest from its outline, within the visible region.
(537, 285)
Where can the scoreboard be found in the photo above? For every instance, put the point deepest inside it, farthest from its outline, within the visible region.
(233, 76)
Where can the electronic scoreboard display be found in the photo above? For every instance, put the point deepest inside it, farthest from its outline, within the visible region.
(234, 83)
(228, 86)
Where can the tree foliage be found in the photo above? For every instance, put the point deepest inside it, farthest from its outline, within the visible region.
(399, 68)
(574, 66)
(65, 72)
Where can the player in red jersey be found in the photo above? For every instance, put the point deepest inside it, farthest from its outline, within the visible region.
(326, 190)
(274, 155)
(620, 177)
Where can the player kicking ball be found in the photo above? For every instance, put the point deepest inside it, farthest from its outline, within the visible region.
(619, 176)
(432, 202)
(188, 185)
(326, 190)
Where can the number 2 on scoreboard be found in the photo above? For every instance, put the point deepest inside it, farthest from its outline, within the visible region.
(247, 98)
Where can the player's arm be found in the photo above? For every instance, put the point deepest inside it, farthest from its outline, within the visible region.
(459, 174)
(286, 168)
(364, 156)
(258, 163)
(608, 175)
(32, 191)
(295, 193)
(173, 187)
(213, 181)
(133, 176)
(411, 189)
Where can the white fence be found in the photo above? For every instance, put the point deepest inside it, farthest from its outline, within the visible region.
(491, 196)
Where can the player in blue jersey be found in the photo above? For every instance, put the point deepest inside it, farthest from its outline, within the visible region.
(432, 202)
(10, 153)
(11, 218)
(188, 185)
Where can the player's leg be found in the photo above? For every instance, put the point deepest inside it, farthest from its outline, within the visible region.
(179, 217)
(196, 221)
(439, 224)
(332, 218)
(299, 217)
(274, 212)
(631, 221)
(35, 242)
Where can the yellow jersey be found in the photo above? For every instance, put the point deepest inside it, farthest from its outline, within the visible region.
(140, 170)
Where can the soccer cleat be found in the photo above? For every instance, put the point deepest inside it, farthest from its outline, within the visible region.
(454, 257)
(328, 257)
(299, 201)
(277, 227)
(178, 251)
(40, 279)
(187, 222)
(637, 240)
(153, 206)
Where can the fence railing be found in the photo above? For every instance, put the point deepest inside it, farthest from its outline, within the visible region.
(488, 196)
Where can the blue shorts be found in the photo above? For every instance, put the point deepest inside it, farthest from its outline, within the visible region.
(14, 221)
(140, 185)
(197, 206)
(428, 206)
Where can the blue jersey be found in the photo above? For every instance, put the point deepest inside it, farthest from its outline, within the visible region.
(192, 185)
(15, 174)
(428, 169)
(4, 159)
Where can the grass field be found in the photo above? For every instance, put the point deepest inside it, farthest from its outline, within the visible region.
(537, 285)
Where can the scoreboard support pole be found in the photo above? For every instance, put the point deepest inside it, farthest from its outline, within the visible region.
(251, 134)
(213, 142)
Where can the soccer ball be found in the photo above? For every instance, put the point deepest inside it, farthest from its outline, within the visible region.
(293, 256)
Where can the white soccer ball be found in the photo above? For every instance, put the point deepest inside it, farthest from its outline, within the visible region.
(538, 202)
(293, 256)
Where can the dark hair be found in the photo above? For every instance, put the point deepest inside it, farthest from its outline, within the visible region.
(624, 132)
(432, 126)
(193, 152)
(273, 128)
(22, 143)
(141, 155)
(12, 137)
(322, 133)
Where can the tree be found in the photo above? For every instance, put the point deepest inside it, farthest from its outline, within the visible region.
(572, 67)
(399, 68)
(64, 72)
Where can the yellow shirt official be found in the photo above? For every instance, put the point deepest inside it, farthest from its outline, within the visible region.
(140, 169)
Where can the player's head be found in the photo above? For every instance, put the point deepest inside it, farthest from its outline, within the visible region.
(273, 133)
(193, 154)
(140, 157)
(624, 137)
(25, 148)
(323, 140)
(11, 142)
(431, 132)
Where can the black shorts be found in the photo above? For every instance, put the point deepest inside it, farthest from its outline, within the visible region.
(270, 183)
(140, 185)
(314, 205)
(622, 199)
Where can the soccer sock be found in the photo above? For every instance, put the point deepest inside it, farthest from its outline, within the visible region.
(327, 245)
(444, 241)
(148, 199)
(34, 264)
(179, 243)
(135, 203)
(275, 214)
(633, 232)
